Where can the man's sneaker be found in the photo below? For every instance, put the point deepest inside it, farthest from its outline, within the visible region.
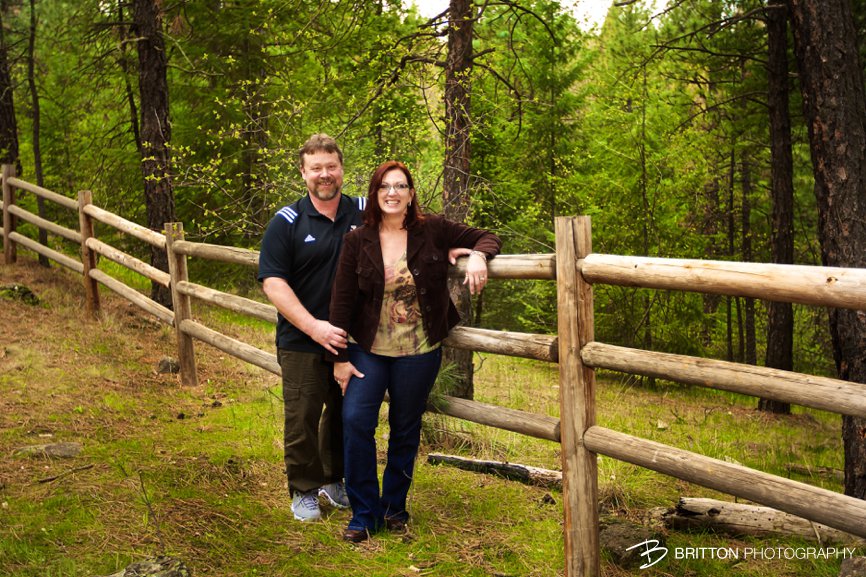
(335, 493)
(305, 506)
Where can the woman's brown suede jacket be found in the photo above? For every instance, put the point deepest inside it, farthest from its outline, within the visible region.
(359, 285)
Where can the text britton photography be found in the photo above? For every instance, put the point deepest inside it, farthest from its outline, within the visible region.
(653, 552)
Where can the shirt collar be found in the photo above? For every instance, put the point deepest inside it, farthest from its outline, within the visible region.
(345, 206)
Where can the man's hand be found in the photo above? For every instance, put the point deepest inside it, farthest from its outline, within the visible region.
(327, 335)
(284, 298)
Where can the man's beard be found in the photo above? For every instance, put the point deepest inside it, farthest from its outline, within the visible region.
(324, 194)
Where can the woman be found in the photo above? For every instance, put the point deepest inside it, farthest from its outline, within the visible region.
(391, 295)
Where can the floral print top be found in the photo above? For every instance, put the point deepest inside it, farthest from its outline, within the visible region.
(401, 332)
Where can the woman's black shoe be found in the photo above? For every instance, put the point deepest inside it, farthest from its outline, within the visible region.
(355, 535)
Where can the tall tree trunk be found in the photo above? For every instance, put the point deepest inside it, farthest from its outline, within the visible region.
(646, 222)
(738, 302)
(710, 228)
(834, 106)
(155, 129)
(37, 151)
(255, 177)
(8, 124)
(750, 355)
(729, 217)
(123, 61)
(455, 194)
(780, 322)
(378, 124)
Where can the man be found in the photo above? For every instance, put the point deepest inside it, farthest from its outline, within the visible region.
(297, 264)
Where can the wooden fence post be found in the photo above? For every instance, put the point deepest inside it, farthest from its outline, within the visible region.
(9, 253)
(577, 398)
(88, 257)
(182, 305)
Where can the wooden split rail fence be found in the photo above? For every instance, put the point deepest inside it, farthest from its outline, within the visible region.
(575, 269)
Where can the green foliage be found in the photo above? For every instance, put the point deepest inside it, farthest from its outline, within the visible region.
(266, 74)
(85, 134)
(650, 125)
(525, 130)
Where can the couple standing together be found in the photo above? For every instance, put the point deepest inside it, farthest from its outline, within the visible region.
(360, 285)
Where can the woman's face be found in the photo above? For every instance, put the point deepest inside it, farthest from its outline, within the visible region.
(395, 194)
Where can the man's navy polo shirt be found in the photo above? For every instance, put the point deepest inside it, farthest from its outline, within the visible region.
(302, 247)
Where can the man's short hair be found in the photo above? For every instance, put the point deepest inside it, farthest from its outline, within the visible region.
(319, 143)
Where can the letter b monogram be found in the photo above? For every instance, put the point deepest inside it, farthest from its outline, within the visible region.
(659, 551)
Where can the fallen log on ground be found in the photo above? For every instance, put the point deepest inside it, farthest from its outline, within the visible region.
(826, 472)
(514, 471)
(741, 519)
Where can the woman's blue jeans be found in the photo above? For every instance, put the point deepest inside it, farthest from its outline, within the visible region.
(408, 381)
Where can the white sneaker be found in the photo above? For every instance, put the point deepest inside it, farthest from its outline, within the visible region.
(305, 506)
(335, 493)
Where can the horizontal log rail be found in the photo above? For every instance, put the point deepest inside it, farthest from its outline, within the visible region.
(229, 254)
(135, 297)
(265, 312)
(234, 347)
(511, 266)
(811, 285)
(833, 395)
(525, 345)
(515, 266)
(818, 286)
(48, 225)
(140, 232)
(54, 255)
(516, 421)
(63, 201)
(129, 261)
(832, 509)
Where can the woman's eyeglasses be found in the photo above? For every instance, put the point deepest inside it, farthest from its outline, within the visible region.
(402, 187)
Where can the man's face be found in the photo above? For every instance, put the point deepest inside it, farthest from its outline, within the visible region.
(323, 174)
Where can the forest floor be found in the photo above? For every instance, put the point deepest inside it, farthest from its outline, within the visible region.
(196, 472)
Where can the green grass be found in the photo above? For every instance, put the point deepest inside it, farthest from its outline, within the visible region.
(125, 275)
(196, 472)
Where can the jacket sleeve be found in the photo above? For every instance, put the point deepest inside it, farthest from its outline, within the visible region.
(344, 291)
(461, 235)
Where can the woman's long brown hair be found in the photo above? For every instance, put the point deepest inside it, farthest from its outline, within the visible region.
(373, 213)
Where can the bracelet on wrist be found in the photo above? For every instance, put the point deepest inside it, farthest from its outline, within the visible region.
(479, 253)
